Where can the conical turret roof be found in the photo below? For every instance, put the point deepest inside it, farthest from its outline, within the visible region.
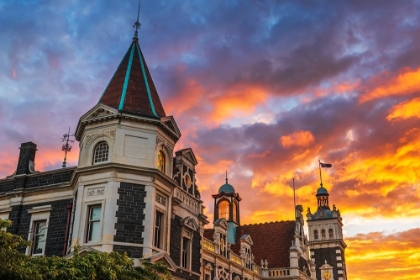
(131, 89)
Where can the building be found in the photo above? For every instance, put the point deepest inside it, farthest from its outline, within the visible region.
(130, 192)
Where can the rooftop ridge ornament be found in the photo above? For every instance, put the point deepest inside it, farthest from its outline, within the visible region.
(226, 177)
(137, 23)
(66, 147)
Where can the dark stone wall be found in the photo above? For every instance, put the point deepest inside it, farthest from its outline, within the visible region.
(46, 180)
(185, 275)
(196, 256)
(132, 252)
(26, 154)
(130, 215)
(56, 226)
(176, 232)
(175, 250)
(330, 255)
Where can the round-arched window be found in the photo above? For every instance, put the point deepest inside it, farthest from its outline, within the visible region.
(330, 233)
(224, 209)
(316, 234)
(323, 234)
(101, 152)
(161, 162)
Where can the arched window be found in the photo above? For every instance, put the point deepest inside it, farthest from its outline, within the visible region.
(316, 234)
(330, 233)
(101, 152)
(235, 211)
(323, 234)
(224, 209)
(161, 162)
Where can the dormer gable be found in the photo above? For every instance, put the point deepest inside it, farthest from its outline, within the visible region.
(246, 238)
(190, 223)
(221, 223)
(97, 114)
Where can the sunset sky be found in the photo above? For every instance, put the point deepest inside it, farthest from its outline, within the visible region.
(263, 89)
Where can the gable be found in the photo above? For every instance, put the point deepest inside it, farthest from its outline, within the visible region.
(190, 223)
(164, 258)
(222, 223)
(247, 238)
(170, 123)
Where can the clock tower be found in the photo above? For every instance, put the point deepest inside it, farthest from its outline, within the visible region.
(326, 241)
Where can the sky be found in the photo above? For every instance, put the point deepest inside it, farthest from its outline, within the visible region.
(263, 89)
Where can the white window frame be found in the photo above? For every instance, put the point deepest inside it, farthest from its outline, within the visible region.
(161, 234)
(4, 214)
(186, 235)
(38, 214)
(94, 152)
(88, 221)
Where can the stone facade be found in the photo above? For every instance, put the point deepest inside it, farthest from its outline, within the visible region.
(131, 192)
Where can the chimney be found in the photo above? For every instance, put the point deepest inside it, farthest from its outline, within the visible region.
(26, 156)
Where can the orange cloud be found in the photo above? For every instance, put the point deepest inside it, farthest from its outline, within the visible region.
(298, 138)
(379, 256)
(405, 110)
(239, 99)
(406, 82)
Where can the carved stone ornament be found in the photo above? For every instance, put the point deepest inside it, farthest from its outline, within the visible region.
(186, 199)
(114, 174)
(100, 113)
(90, 138)
(160, 199)
(96, 192)
(158, 141)
(111, 133)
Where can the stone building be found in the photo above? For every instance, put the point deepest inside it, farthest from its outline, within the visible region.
(131, 192)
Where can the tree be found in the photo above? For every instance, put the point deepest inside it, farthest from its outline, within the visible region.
(91, 265)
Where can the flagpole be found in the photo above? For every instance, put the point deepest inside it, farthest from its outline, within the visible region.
(320, 175)
(294, 196)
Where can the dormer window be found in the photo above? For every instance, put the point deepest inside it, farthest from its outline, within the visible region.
(224, 209)
(161, 162)
(101, 152)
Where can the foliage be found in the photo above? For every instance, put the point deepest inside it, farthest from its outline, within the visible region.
(86, 265)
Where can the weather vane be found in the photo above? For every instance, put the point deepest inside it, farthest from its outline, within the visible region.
(137, 23)
(66, 147)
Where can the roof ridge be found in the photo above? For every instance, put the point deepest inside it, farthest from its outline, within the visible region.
(271, 222)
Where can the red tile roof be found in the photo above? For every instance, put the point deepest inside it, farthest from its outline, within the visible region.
(131, 89)
(272, 241)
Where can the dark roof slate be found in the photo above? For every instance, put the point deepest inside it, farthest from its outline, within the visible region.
(272, 241)
(131, 89)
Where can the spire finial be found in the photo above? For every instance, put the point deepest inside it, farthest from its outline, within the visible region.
(226, 177)
(137, 23)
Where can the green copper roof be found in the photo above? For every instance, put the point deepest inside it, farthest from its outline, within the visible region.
(227, 188)
(321, 191)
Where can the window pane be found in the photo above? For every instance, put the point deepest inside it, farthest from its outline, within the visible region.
(101, 152)
(39, 237)
(95, 232)
(96, 213)
(161, 162)
(224, 210)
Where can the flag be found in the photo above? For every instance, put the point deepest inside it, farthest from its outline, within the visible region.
(325, 165)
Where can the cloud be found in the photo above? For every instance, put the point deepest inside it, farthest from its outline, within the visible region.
(406, 82)
(405, 110)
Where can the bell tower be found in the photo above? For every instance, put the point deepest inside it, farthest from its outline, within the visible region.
(226, 206)
(325, 230)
